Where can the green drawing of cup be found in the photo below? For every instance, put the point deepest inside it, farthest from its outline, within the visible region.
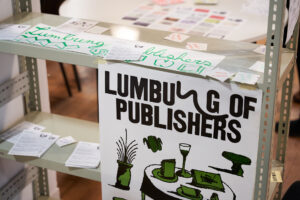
(168, 168)
(123, 175)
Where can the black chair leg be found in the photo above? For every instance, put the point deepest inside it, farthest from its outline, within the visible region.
(77, 77)
(97, 81)
(65, 79)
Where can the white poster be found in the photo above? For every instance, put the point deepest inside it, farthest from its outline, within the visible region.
(174, 137)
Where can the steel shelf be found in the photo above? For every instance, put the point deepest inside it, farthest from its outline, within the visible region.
(55, 157)
(239, 55)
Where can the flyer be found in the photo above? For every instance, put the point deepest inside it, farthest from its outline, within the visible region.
(169, 136)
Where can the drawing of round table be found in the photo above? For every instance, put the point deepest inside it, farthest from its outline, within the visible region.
(160, 190)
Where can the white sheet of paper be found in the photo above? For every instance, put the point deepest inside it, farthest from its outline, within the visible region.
(196, 46)
(75, 25)
(65, 141)
(97, 30)
(177, 37)
(293, 18)
(12, 135)
(258, 66)
(85, 155)
(256, 7)
(33, 143)
(129, 51)
(261, 49)
(220, 74)
(11, 31)
(248, 78)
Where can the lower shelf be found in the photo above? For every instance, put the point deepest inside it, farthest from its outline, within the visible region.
(55, 157)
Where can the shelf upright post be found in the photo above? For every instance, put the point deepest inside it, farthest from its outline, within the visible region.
(32, 97)
(286, 101)
(271, 76)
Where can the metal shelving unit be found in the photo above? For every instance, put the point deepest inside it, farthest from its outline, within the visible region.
(278, 73)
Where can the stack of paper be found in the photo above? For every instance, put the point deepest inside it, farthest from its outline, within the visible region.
(12, 135)
(33, 143)
(85, 155)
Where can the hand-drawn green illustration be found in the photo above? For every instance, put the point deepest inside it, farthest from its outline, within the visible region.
(159, 181)
(207, 180)
(214, 196)
(97, 51)
(183, 57)
(237, 162)
(167, 171)
(164, 63)
(118, 198)
(159, 184)
(153, 143)
(126, 154)
(189, 193)
(184, 150)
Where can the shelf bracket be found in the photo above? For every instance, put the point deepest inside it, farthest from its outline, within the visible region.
(13, 88)
(21, 6)
(20, 181)
(32, 98)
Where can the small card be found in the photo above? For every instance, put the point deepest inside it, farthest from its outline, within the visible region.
(196, 46)
(261, 50)
(65, 141)
(177, 37)
(220, 74)
(74, 26)
(258, 66)
(97, 30)
(125, 52)
(206, 1)
(276, 177)
(248, 78)
(167, 2)
(11, 31)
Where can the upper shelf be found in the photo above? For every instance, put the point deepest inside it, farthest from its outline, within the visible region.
(55, 157)
(239, 55)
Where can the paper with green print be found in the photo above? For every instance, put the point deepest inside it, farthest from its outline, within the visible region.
(153, 55)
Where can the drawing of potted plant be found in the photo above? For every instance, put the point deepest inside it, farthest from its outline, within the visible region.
(126, 154)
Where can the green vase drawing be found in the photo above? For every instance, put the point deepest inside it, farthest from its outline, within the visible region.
(123, 175)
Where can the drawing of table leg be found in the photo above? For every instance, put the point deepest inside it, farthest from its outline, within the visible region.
(143, 196)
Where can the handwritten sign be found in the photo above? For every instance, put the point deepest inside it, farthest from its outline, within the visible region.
(170, 136)
(154, 55)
